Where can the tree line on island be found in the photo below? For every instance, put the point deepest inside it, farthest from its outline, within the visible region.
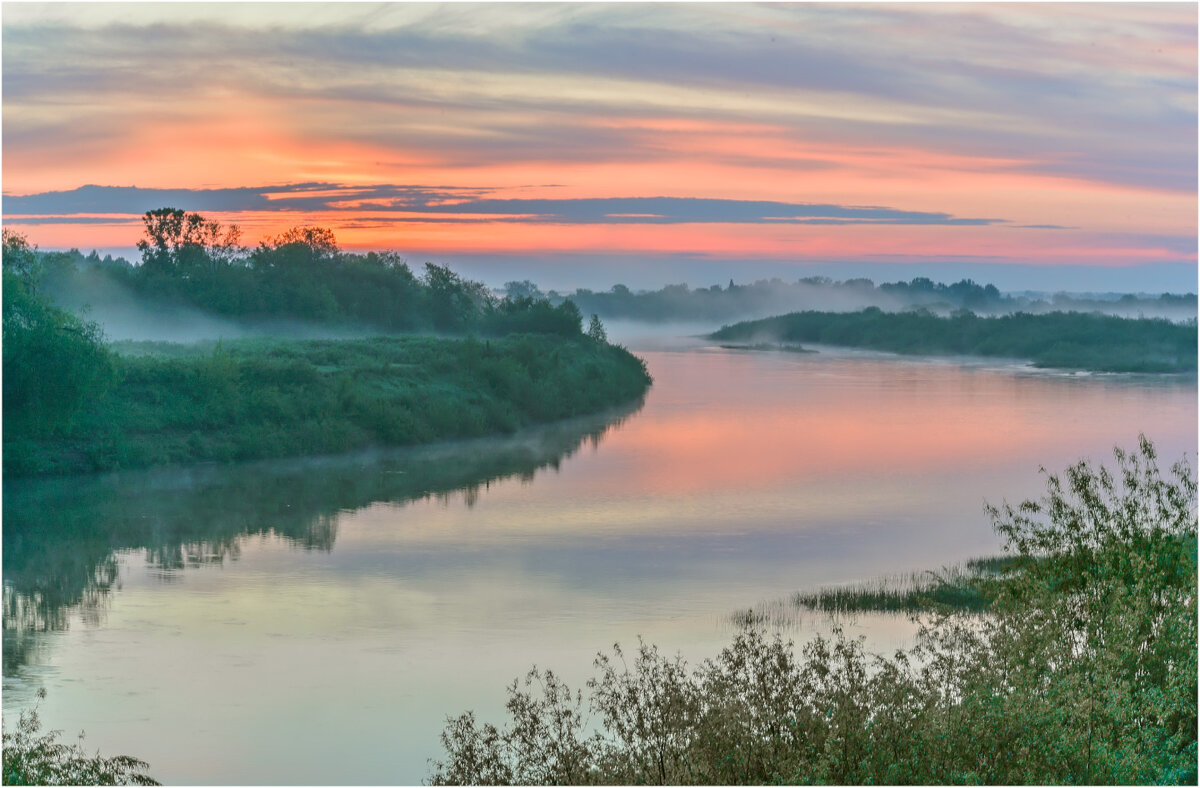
(1071, 340)
(515, 361)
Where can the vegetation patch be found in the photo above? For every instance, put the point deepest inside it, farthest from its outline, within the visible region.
(1066, 340)
(74, 404)
(195, 267)
(970, 587)
(250, 399)
(1083, 670)
(35, 758)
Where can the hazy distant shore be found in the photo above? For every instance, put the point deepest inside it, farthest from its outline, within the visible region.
(1059, 340)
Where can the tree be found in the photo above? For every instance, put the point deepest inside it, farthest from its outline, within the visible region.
(1108, 601)
(522, 289)
(596, 330)
(300, 249)
(20, 259)
(53, 361)
(454, 303)
(177, 240)
(319, 240)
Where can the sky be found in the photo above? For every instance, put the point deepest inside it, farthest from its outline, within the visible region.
(1024, 144)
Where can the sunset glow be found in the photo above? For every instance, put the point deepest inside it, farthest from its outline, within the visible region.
(1049, 135)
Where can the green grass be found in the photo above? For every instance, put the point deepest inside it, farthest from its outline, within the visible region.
(970, 587)
(251, 399)
(959, 588)
(1065, 340)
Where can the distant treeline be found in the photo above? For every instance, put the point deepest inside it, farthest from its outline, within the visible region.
(300, 275)
(765, 297)
(303, 275)
(249, 399)
(1070, 340)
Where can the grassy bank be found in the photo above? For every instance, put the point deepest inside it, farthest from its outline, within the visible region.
(248, 399)
(1066, 340)
(968, 587)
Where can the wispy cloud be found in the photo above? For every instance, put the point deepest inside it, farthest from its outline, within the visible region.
(1110, 105)
(425, 204)
(974, 125)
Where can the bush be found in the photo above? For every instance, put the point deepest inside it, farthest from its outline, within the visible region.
(53, 361)
(1084, 671)
(31, 758)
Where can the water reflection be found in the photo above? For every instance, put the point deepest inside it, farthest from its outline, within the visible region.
(746, 477)
(63, 538)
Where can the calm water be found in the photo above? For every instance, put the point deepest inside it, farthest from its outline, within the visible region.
(315, 621)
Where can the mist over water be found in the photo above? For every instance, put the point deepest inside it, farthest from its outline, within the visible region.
(735, 302)
(677, 310)
(566, 272)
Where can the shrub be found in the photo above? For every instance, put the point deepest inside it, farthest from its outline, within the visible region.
(33, 758)
(1083, 671)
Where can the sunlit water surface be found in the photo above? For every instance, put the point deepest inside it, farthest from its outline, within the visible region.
(315, 622)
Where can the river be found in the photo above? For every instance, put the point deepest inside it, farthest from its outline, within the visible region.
(314, 621)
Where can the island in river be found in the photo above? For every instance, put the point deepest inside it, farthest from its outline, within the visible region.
(74, 403)
(1064, 340)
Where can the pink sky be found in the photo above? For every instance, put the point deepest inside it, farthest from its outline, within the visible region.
(1030, 134)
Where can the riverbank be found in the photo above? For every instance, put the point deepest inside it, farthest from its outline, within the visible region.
(1059, 340)
(252, 399)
